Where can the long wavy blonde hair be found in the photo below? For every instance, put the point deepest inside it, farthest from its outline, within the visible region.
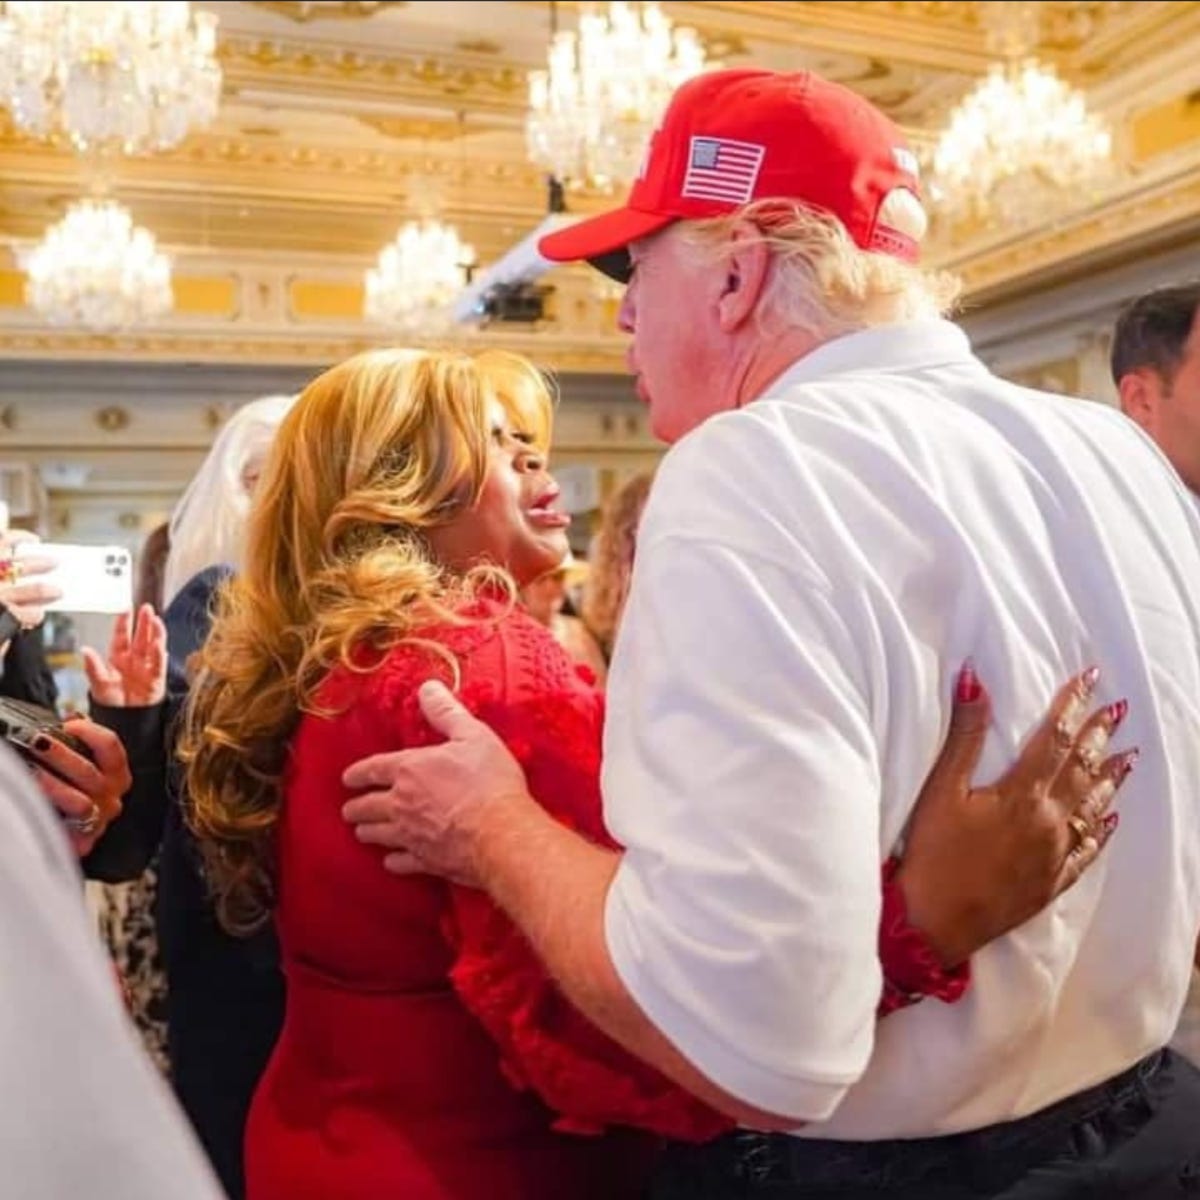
(375, 452)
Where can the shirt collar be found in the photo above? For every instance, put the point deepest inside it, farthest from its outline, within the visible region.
(880, 350)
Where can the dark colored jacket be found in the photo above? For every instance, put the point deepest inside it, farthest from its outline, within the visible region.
(225, 994)
(25, 674)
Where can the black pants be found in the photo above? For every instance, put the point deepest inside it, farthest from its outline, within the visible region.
(1136, 1137)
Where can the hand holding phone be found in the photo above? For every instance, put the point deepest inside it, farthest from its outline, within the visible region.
(28, 728)
(80, 767)
(24, 592)
(88, 579)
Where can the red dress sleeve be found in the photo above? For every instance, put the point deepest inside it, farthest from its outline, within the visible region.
(552, 723)
(546, 1043)
(911, 970)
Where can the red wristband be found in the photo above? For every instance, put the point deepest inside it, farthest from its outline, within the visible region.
(911, 970)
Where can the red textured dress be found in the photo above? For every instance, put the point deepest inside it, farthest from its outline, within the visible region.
(425, 1055)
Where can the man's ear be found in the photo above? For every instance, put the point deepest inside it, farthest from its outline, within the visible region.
(746, 268)
(1139, 391)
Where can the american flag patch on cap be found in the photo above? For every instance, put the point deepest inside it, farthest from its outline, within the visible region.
(719, 169)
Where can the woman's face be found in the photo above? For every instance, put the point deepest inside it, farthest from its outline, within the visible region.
(514, 524)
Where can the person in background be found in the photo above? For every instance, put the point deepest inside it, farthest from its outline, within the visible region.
(210, 517)
(852, 504)
(152, 568)
(1155, 361)
(86, 793)
(1156, 368)
(24, 672)
(84, 1113)
(127, 910)
(224, 994)
(548, 601)
(611, 560)
(412, 492)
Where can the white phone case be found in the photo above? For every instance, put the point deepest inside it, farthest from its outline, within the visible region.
(92, 579)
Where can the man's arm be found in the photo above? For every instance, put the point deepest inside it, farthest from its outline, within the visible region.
(560, 909)
(770, 813)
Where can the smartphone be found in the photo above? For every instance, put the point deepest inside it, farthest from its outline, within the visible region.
(22, 723)
(92, 579)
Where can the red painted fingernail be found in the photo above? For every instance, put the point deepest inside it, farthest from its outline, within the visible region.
(967, 689)
(1089, 677)
(1127, 763)
(1111, 822)
(1116, 713)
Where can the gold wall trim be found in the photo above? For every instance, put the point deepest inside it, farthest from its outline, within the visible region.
(348, 10)
(251, 61)
(303, 348)
(324, 300)
(208, 296)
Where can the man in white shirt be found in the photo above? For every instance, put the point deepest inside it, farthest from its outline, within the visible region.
(853, 505)
(85, 1113)
(1156, 368)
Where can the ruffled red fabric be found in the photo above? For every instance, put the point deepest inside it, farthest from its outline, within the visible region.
(551, 719)
(911, 970)
(516, 678)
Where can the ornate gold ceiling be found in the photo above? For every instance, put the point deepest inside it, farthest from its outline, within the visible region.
(334, 113)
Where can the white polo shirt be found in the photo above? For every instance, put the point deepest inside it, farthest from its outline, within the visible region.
(812, 570)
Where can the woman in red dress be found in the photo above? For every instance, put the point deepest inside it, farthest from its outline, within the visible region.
(425, 1055)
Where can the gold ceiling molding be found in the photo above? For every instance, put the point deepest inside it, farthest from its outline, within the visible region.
(255, 167)
(947, 12)
(113, 419)
(413, 128)
(1066, 25)
(479, 45)
(305, 11)
(1081, 35)
(257, 62)
(944, 37)
(564, 355)
(1006, 268)
(256, 65)
(1146, 32)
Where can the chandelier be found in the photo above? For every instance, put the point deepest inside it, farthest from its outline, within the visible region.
(417, 278)
(1023, 143)
(593, 109)
(135, 76)
(97, 269)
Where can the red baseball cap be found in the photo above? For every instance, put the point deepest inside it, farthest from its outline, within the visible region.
(731, 137)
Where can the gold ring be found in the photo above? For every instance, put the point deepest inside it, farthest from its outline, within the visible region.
(1082, 829)
(87, 825)
(10, 570)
